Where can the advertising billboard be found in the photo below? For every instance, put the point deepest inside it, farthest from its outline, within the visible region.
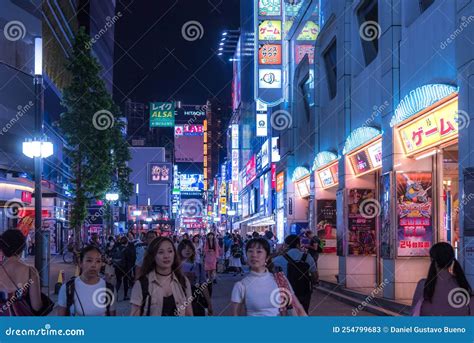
(189, 148)
(162, 114)
(159, 173)
(269, 54)
(269, 30)
(191, 182)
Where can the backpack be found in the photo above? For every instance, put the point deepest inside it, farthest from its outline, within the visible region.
(299, 274)
(146, 295)
(118, 257)
(71, 289)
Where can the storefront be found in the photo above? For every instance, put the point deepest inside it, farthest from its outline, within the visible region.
(426, 179)
(361, 208)
(326, 180)
(298, 208)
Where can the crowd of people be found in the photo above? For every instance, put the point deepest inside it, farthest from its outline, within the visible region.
(174, 276)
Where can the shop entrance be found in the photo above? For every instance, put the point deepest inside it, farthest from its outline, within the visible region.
(449, 204)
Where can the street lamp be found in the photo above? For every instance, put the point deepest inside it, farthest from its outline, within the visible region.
(111, 196)
(38, 148)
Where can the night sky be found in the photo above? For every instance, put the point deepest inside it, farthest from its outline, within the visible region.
(153, 62)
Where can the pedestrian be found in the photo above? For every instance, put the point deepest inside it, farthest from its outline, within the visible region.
(88, 294)
(95, 241)
(445, 291)
(19, 283)
(299, 268)
(314, 249)
(198, 247)
(162, 289)
(211, 252)
(123, 263)
(235, 258)
(262, 292)
(269, 237)
(109, 246)
(141, 249)
(196, 275)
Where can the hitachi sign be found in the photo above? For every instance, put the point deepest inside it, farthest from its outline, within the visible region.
(194, 113)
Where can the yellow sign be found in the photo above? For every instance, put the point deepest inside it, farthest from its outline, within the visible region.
(309, 32)
(280, 182)
(223, 205)
(431, 129)
(269, 30)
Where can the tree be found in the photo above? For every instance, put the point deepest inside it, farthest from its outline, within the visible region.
(96, 147)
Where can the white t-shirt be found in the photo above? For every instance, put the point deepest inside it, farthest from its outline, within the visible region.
(89, 300)
(259, 292)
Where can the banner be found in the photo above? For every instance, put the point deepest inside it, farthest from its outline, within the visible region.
(415, 215)
(326, 224)
(159, 173)
(362, 221)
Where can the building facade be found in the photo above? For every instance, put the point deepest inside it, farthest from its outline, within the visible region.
(372, 125)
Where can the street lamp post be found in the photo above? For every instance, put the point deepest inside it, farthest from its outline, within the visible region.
(111, 197)
(38, 148)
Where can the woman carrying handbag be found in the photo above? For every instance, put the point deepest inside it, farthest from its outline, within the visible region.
(20, 290)
(263, 293)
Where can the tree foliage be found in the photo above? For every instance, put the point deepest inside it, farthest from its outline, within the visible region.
(96, 148)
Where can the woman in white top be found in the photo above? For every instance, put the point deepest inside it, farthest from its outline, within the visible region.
(88, 294)
(263, 293)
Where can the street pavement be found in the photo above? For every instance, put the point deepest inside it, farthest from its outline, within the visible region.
(321, 303)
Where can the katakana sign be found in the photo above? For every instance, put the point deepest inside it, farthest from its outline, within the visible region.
(431, 129)
(162, 114)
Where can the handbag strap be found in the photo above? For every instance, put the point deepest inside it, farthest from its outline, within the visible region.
(8, 275)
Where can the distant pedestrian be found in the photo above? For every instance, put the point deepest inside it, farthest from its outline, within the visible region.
(263, 293)
(140, 249)
(235, 260)
(87, 294)
(443, 292)
(19, 283)
(122, 260)
(300, 269)
(211, 252)
(162, 289)
(196, 275)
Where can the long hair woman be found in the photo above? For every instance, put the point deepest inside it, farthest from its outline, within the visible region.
(445, 291)
(19, 283)
(263, 293)
(194, 271)
(211, 252)
(162, 289)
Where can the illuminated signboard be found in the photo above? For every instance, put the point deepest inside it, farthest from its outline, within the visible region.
(431, 129)
(265, 154)
(269, 30)
(269, 7)
(159, 173)
(303, 187)
(191, 182)
(261, 125)
(301, 50)
(292, 7)
(269, 78)
(251, 170)
(280, 181)
(162, 114)
(328, 176)
(275, 150)
(269, 54)
(309, 32)
(367, 159)
(235, 136)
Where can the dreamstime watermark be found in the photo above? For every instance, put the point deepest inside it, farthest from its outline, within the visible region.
(13, 207)
(464, 23)
(22, 289)
(463, 119)
(369, 208)
(103, 120)
(14, 30)
(91, 219)
(370, 30)
(21, 111)
(459, 297)
(369, 298)
(109, 22)
(192, 30)
(46, 331)
(197, 292)
(281, 297)
(192, 208)
(102, 298)
(281, 120)
(377, 110)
